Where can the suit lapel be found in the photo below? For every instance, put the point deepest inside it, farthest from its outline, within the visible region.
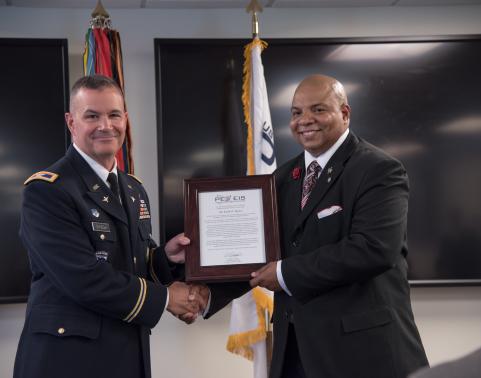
(329, 175)
(294, 187)
(97, 190)
(131, 203)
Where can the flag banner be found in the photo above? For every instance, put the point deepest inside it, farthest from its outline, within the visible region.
(260, 136)
(103, 56)
(248, 323)
(251, 313)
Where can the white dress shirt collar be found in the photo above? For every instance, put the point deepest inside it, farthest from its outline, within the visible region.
(99, 169)
(323, 159)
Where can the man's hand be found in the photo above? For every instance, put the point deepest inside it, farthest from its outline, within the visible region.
(266, 277)
(175, 248)
(202, 294)
(198, 293)
(182, 302)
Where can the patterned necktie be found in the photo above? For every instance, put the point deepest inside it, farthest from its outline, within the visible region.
(309, 181)
(114, 184)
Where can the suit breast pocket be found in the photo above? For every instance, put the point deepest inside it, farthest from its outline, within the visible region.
(329, 226)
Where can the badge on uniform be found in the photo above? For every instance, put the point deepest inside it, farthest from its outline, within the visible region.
(95, 213)
(100, 227)
(102, 255)
(144, 210)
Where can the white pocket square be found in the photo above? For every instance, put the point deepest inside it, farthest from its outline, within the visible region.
(329, 211)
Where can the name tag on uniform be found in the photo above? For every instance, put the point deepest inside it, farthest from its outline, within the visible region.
(100, 227)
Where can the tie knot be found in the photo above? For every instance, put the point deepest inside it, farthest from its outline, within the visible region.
(112, 178)
(114, 184)
(314, 167)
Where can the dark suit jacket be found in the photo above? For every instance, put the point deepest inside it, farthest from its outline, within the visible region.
(350, 302)
(468, 366)
(95, 291)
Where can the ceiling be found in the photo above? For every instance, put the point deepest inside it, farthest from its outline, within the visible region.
(210, 4)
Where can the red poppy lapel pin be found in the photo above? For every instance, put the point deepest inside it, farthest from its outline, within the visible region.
(296, 173)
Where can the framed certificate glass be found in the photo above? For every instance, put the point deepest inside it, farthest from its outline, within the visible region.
(233, 227)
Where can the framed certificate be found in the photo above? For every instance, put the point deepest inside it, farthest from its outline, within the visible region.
(233, 227)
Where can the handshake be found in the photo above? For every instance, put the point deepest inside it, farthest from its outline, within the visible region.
(187, 301)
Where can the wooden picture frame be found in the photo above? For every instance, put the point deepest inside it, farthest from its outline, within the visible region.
(224, 225)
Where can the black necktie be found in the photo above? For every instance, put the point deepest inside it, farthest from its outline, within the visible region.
(114, 184)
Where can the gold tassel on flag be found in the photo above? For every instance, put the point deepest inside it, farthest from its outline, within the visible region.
(241, 343)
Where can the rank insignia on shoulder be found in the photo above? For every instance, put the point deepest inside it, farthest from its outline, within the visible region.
(42, 175)
(135, 178)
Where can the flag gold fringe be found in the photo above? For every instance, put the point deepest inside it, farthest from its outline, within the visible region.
(246, 98)
(241, 343)
(86, 53)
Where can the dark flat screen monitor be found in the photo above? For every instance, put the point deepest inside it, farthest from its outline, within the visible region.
(417, 98)
(33, 99)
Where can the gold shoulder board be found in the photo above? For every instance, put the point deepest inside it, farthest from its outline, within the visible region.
(42, 175)
(135, 178)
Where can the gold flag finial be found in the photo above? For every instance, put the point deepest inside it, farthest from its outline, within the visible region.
(100, 11)
(254, 7)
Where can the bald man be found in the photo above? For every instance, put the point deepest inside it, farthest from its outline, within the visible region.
(342, 307)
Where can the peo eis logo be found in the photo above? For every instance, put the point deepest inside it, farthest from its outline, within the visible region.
(229, 198)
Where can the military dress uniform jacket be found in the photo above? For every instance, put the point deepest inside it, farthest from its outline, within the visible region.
(343, 259)
(97, 286)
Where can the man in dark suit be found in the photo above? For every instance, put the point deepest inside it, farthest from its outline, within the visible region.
(99, 281)
(341, 305)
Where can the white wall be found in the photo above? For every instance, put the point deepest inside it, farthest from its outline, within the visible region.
(449, 319)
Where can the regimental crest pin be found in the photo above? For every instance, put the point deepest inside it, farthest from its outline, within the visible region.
(132, 198)
(329, 170)
(95, 187)
(95, 213)
(102, 255)
(105, 199)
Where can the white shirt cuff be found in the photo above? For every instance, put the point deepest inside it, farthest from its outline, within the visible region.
(167, 300)
(281, 279)
(207, 308)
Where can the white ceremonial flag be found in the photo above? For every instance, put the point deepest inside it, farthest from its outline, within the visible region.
(251, 313)
(260, 115)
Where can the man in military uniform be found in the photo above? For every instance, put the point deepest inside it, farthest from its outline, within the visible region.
(99, 281)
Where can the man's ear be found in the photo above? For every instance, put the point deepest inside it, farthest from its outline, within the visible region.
(346, 112)
(69, 121)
